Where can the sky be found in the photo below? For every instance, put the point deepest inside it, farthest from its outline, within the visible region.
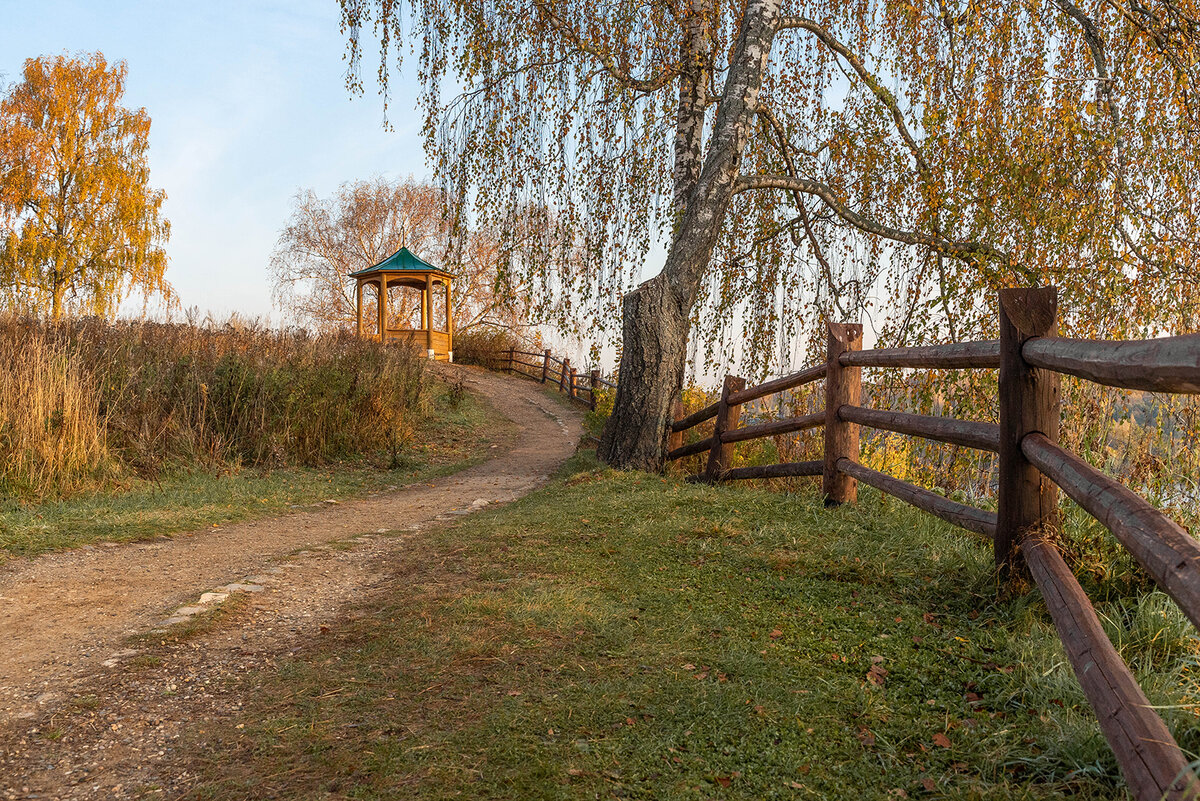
(248, 105)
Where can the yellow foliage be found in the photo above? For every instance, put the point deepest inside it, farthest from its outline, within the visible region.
(80, 227)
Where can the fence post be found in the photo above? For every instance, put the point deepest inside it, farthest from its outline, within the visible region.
(571, 384)
(727, 420)
(563, 377)
(1029, 401)
(594, 378)
(675, 438)
(545, 365)
(511, 359)
(843, 386)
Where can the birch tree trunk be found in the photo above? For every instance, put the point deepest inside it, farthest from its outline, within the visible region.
(655, 315)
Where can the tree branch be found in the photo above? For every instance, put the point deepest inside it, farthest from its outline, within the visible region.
(939, 244)
(616, 71)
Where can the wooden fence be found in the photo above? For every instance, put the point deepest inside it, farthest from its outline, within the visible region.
(1033, 467)
(547, 368)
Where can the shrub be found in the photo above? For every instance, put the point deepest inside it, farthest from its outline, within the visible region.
(479, 345)
(135, 398)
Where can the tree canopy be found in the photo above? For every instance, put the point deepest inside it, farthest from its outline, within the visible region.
(80, 226)
(907, 158)
(898, 161)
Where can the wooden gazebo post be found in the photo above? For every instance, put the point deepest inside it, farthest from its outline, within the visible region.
(382, 308)
(427, 299)
(358, 292)
(449, 323)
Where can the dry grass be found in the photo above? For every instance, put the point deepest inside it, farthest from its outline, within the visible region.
(86, 402)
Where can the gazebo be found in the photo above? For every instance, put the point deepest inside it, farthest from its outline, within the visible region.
(402, 268)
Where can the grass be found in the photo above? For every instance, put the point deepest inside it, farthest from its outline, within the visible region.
(86, 403)
(632, 636)
(457, 432)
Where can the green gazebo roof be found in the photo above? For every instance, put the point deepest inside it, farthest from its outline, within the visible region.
(403, 260)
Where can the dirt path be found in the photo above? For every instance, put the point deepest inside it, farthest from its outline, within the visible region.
(67, 618)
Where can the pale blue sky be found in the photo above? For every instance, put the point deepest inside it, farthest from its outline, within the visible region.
(248, 104)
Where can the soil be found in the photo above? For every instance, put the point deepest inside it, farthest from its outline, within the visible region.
(113, 654)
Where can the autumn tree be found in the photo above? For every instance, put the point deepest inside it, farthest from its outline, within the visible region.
(364, 222)
(80, 226)
(898, 158)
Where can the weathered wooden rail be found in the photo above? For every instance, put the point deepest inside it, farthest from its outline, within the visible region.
(546, 368)
(1032, 468)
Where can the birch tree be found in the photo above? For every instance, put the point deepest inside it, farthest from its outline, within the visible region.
(898, 159)
(80, 226)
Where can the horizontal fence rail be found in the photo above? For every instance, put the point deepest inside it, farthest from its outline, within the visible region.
(978, 520)
(1170, 364)
(1153, 765)
(1159, 544)
(1030, 357)
(982, 436)
(550, 369)
(695, 418)
(774, 428)
(961, 355)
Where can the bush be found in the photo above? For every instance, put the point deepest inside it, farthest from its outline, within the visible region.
(479, 345)
(87, 400)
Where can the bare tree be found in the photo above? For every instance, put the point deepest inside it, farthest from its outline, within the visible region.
(363, 223)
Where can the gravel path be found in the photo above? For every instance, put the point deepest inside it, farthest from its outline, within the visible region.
(68, 618)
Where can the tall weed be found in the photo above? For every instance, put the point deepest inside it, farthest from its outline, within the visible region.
(87, 400)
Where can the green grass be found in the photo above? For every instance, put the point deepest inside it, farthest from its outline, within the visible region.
(630, 636)
(457, 432)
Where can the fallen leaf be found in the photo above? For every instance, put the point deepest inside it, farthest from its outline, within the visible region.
(929, 784)
(941, 740)
(776, 634)
(866, 737)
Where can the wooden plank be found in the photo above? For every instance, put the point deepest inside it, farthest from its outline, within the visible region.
(695, 418)
(783, 470)
(699, 446)
(1167, 364)
(980, 521)
(774, 428)
(843, 387)
(1160, 544)
(969, 433)
(779, 384)
(954, 356)
(1029, 401)
(675, 438)
(727, 419)
(1153, 766)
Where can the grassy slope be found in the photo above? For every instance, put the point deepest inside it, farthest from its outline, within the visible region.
(627, 636)
(453, 436)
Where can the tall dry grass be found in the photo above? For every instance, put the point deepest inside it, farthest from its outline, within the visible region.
(88, 401)
(51, 433)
